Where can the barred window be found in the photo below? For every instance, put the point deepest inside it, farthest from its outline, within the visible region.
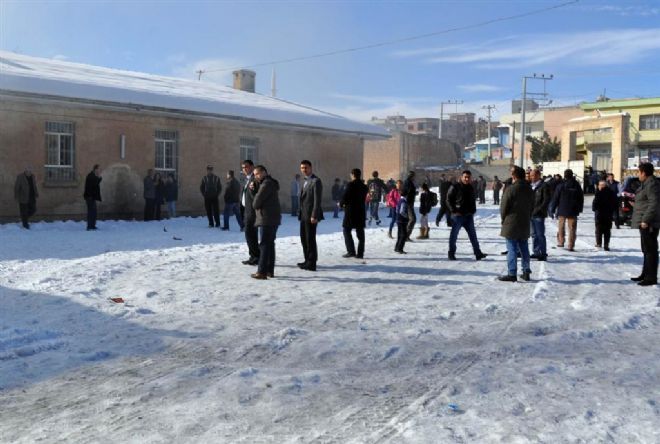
(249, 149)
(649, 122)
(167, 151)
(60, 152)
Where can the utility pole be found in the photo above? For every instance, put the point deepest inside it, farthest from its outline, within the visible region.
(442, 104)
(273, 84)
(489, 108)
(521, 156)
(199, 74)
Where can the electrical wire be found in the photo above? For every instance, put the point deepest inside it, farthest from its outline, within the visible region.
(392, 42)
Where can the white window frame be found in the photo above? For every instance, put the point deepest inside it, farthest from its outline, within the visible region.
(162, 140)
(59, 135)
(249, 149)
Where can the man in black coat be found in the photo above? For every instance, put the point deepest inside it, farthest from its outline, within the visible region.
(603, 206)
(210, 189)
(92, 194)
(266, 205)
(542, 197)
(310, 214)
(250, 189)
(410, 191)
(567, 203)
(232, 201)
(353, 203)
(462, 204)
(445, 184)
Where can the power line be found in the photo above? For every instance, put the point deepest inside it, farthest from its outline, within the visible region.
(392, 42)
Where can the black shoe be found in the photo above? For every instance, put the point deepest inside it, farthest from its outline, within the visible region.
(225, 228)
(359, 256)
(310, 267)
(302, 265)
(347, 255)
(542, 258)
(400, 251)
(504, 253)
(270, 275)
(251, 262)
(480, 256)
(452, 256)
(378, 222)
(526, 276)
(534, 256)
(646, 283)
(91, 228)
(638, 278)
(606, 248)
(507, 278)
(437, 223)
(211, 225)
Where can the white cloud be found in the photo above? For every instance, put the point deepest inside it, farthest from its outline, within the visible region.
(480, 87)
(624, 11)
(613, 46)
(60, 57)
(214, 69)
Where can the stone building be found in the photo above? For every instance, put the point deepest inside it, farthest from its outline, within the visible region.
(393, 158)
(61, 118)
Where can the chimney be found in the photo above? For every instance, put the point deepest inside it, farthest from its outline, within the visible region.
(244, 80)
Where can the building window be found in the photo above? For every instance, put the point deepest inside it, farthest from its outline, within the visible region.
(167, 151)
(249, 149)
(649, 122)
(60, 152)
(420, 126)
(411, 127)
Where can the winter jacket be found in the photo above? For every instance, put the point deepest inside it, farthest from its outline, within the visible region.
(614, 186)
(336, 192)
(402, 210)
(353, 204)
(647, 204)
(159, 186)
(444, 190)
(149, 188)
(392, 198)
(497, 185)
(542, 198)
(568, 199)
(604, 205)
(376, 188)
(232, 191)
(516, 210)
(171, 191)
(210, 186)
(425, 202)
(461, 199)
(22, 189)
(92, 187)
(409, 190)
(266, 204)
(311, 200)
(248, 193)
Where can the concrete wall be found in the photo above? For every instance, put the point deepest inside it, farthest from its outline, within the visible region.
(201, 141)
(404, 152)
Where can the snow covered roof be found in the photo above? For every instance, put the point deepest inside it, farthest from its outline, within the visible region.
(33, 75)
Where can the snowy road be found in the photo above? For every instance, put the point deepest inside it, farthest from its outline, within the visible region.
(400, 349)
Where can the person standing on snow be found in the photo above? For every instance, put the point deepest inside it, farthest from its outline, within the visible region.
(353, 203)
(232, 201)
(567, 203)
(92, 194)
(250, 189)
(310, 214)
(210, 189)
(542, 197)
(646, 217)
(26, 194)
(516, 211)
(462, 204)
(603, 206)
(268, 216)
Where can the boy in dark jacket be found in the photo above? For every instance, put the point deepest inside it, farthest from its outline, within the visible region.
(604, 205)
(92, 194)
(424, 210)
(401, 220)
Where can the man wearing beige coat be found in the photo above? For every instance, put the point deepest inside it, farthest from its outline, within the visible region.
(26, 193)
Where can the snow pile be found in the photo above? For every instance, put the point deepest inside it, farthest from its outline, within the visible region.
(395, 348)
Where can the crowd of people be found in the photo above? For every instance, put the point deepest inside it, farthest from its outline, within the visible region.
(527, 200)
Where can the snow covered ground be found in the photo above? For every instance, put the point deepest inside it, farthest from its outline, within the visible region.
(400, 349)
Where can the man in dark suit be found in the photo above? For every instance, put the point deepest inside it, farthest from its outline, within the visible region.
(92, 194)
(310, 213)
(249, 190)
(353, 203)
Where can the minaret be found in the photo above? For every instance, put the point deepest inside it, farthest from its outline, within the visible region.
(273, 82)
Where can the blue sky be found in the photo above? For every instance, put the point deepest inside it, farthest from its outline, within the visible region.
(589, 47)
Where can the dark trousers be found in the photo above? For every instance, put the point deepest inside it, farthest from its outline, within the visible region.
(412, 219)
(91, 213)
(496, 197)
(401, 236)
(308, 240)
(537, 228)
(444, 211)
(252, 240)
(603, 230)
(466, 221)
(212, 210)
(267, 236)
(649, 238)
(26, 210)
(350, 245)
(149, 208)
(232, 209)
(373, 210)
(295, 200)
(158, 210)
